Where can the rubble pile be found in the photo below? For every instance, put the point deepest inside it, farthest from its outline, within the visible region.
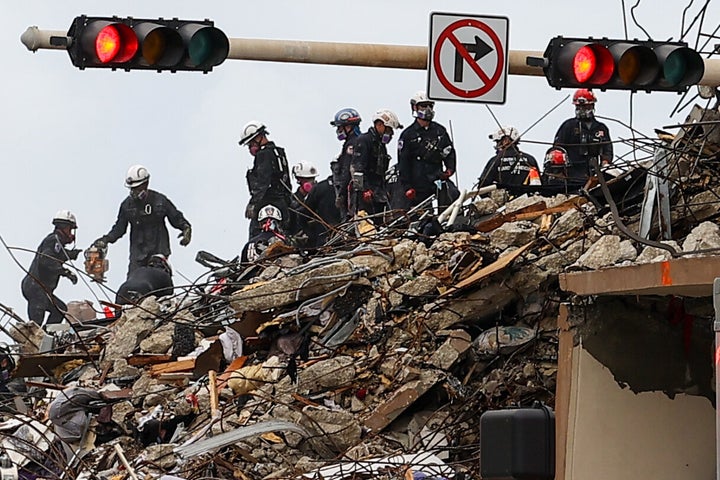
(370, 358)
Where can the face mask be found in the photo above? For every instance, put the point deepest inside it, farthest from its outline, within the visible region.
(138, 194)
(341, 135)
(584, 111)
(387, 136)
(306, 187)
(254, 149)
(426, 113)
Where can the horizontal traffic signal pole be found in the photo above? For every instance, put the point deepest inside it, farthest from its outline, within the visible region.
(335, 53)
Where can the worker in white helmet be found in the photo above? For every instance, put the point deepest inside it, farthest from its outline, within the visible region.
(46, 269)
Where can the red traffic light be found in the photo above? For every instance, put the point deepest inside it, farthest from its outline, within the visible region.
(109, 42)
(621, 64)
(129, 43)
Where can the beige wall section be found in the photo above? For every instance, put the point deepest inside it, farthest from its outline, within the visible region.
(616, 434)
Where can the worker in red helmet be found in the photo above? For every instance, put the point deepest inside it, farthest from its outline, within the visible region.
(584, 138)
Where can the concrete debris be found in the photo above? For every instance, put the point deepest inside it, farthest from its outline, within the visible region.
(382, 349)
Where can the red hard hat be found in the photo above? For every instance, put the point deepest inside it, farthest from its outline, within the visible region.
(584, 96)
(556, 156)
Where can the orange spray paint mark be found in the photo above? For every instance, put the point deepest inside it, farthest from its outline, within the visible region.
(665, 278)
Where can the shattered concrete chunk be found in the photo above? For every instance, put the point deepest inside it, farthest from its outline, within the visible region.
(327, 374)
(159, 341)
(704, 236)
(485, 205)
(652, 254)
(134, 325)
(338, 429)
(607, 251)
(451, 350)
(513, 234)
(161, 455)
(420, 286)
(569, 221)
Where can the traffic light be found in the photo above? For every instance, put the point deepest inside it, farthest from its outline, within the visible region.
(634, 65)
(146, 44)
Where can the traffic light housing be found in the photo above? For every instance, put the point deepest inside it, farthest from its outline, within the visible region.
(634, 65)
(146, 44)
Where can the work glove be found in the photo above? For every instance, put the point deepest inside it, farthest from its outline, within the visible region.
(410, 194)
(446, 174)
(250, 211)
(100, 243)
(367, 196)
(70, 276)
(185, 236)
(73, 254)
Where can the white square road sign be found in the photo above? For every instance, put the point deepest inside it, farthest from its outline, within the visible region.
(468, 58)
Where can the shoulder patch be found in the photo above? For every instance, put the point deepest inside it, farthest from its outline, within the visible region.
(349, 150)
(57, 247)
(400, 144)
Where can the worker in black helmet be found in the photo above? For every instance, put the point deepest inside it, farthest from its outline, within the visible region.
(46, 269)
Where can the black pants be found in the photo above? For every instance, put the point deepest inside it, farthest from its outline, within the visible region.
(40, 301)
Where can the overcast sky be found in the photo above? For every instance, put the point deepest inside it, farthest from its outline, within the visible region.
(68, 136)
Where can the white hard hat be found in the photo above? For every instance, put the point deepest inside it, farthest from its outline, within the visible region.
(420, 97)
(305, 170)
(269, 211)
(64, 217)
(136, 176)
(251, 130)
(388, 118)
(508, 131)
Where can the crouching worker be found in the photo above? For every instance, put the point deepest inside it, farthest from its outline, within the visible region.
(46, 269)
(154, 278)
(270, 219)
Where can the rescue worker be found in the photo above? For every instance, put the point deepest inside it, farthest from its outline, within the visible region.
(369, 163)
(555, 167)
(269, 178)
(270, 221)
(46, 269)
(510, 165)
(145, 211)
(320, 202)
(305, 174)
(426, 156)
(347, 128)
(583, 137)
(154, 278)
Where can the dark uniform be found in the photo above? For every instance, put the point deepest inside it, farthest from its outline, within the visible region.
(369, 157)
(148, 232)
(508, 167)
(42, 280)
(144, 281)
(294, 225)
(269, 183)
(422, 151)
(341, 173)
(320, 202)
(583, 139)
